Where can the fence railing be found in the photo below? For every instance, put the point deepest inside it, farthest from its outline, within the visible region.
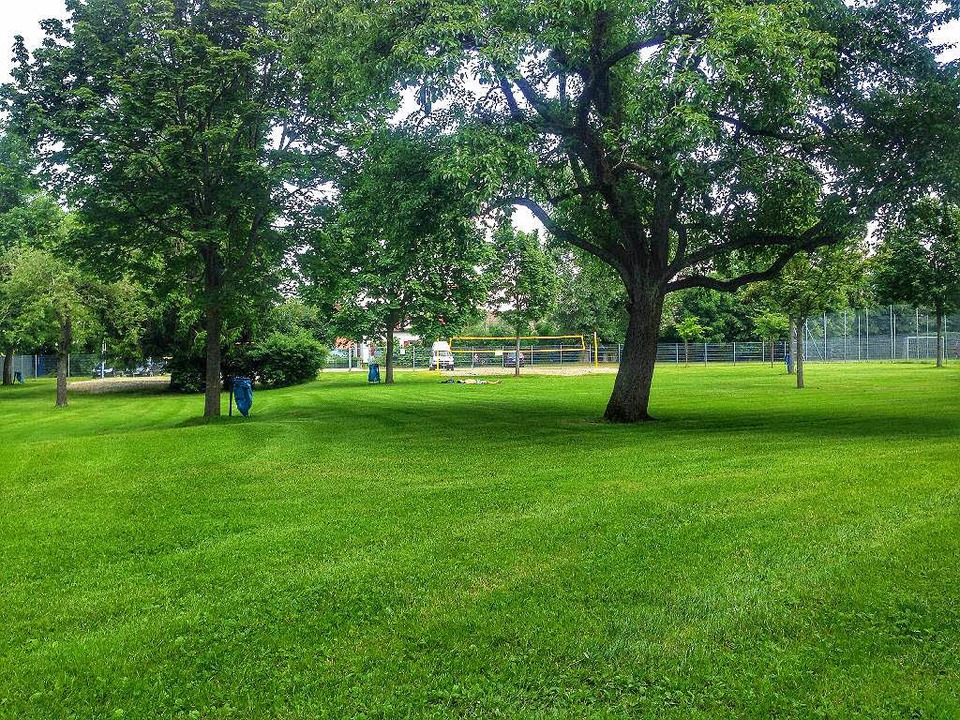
(877, 348)
(893, 333)
(79, 365)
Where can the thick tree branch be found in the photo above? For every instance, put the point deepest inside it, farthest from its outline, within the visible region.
(632, 49)
(536, 101)
(813, 236)
(560, 233)
(511, 100)
(711, 283)
(748, 129)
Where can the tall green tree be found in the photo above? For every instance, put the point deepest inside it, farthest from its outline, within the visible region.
(174, 127)
(683, 144)
(812, 283)
(56, 303)
(524, 285)
(723, 313)
(590, 297)
(772, 326)
(402, 247)
(918, 261)
(689, 329)
(21, 222)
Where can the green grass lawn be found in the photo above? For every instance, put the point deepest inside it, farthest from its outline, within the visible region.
(430, 550)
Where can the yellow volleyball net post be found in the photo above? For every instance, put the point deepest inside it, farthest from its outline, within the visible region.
(499, 350)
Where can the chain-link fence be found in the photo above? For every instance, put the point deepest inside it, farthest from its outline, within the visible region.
(891, 333)
(80, 365)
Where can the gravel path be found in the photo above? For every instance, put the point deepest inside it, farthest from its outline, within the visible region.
(117, 384)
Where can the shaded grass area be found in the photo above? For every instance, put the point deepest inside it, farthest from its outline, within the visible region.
(428, 550)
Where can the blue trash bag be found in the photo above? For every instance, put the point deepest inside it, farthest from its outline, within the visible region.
(374, 375)
(243, 392)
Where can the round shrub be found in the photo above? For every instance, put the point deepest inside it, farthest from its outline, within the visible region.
(280, 360)
(187, 373)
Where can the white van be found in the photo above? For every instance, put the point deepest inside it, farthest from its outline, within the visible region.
(440, 356)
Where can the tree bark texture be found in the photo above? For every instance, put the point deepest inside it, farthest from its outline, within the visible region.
(63, 358)
(214, 323)
(213, 283)
(630, 399)
(516, 357)
(8, 367)
(391, 324)
(798, 363)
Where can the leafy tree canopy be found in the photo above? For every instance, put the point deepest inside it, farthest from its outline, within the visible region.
(590, 297)
(401, 246)
(175, 129)
(918, 260)
(684, 144)
(524, 278)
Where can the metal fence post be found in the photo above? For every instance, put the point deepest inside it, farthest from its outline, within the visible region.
(893, 335)
(845, 335)
(826, 355)
(859, 339)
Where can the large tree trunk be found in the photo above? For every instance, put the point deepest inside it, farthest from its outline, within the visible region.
(391, 324)
(213, 283)
(773, 342)
(63, 358)
(631, 390)
(940, 342)
(516, 357)
(8, 367)
(211, 400)
(798, 363)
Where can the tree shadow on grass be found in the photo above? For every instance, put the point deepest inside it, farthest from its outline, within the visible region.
(485, 416)
(560, 421)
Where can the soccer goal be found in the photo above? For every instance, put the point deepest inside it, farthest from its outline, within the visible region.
(501, 350)
(916, 347)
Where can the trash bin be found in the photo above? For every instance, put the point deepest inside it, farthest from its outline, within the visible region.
(373, 375)
(243, 392)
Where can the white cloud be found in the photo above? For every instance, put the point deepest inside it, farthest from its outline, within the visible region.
(949, 33)
(19, 17)
(23, 18)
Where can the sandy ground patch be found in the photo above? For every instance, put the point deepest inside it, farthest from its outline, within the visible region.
(572, 369)
(119, 384)
(465, 371)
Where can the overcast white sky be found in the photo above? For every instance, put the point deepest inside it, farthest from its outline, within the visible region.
(22, 17)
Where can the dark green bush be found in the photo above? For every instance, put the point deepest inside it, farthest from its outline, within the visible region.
(276, 361)
(280, 360)
(187, 373)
